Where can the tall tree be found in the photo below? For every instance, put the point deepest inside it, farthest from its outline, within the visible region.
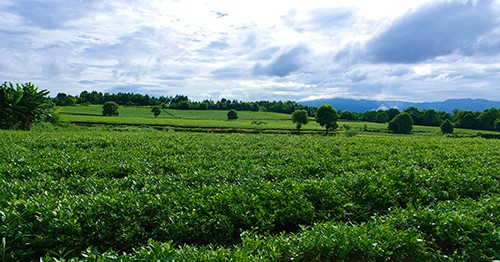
(327, 116)
(299, 117)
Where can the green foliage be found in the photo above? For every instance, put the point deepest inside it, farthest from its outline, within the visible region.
(64, 100)
(415, 114)
(156, 110)
(401, 124)
(21, 106)
(347, 115)
(247, 196)
(391, 113)
(327, 117)
(486, 120)
(232, 115)
(381, 117)
(299, 118)
(465, 119)
(430, 118)
(110, 109)
(447, 127)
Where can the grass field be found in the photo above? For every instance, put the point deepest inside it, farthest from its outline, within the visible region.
(214, 119)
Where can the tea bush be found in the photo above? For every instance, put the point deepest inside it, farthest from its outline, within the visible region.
(202, 196)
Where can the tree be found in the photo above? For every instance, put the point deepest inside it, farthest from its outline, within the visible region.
(430, 118)
(391, 113)
(327, 116)
(347, 115)
(110, 109)
(465, 119)
(156, 110)
(369, 116)
(497, 124)
(299, 117)
(415, 114)
(381, 117)
(446, 127)
(401, 124)
(21, 106)
(64, 100)
(232, 115)
(486, 120)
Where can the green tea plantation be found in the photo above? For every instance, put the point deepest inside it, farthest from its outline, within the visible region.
(147, 195)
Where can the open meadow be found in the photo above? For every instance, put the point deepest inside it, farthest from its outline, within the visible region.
(216, 121)
(138, 193)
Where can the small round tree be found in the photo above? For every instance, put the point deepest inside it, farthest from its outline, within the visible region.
(401, 124)
(300, 117)
(447, 127)
(110, 109)
(327, 116)
(232, 115)
(156, 110)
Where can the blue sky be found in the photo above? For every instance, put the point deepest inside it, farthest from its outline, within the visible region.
(256, 50)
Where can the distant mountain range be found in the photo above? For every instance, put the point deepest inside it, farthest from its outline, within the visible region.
(361, 106)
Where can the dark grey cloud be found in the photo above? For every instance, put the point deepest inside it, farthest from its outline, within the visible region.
(283, 65)
(438, 29)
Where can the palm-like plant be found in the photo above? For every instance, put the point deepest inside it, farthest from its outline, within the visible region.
(21, 106)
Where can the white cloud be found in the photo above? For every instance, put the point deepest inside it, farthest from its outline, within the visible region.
(254, 50)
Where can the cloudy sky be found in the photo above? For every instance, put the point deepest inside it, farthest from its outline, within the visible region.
(413, 50)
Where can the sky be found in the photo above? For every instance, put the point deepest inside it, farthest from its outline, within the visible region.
(418, 51)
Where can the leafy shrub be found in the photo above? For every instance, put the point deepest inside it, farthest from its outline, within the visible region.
(110, 109)
(232, 115)
(156, 110)
(446, 127)
(401, 124)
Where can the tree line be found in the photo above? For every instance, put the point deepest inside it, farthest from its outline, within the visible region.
(486, 120)
(489, 119)
(179, 102)
(22, 105)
